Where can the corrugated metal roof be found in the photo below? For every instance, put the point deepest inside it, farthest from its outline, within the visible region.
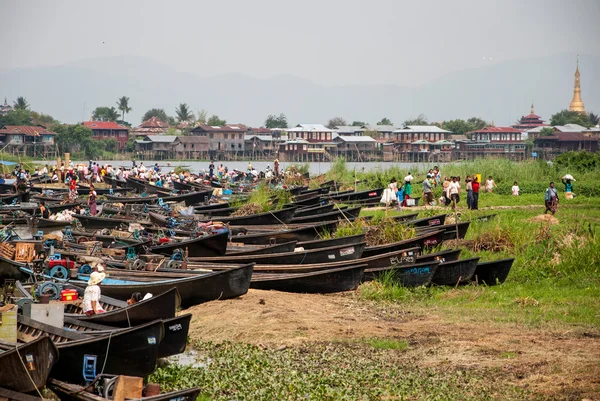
(309, 128)
(29, 130)
(363, 138)
(161, 138)
(423, 129)
(570, 128)
(381, 128)
(104, 125)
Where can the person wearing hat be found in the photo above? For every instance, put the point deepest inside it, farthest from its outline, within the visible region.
(91, 296)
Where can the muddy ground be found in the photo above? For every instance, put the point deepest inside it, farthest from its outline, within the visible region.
(563, 364)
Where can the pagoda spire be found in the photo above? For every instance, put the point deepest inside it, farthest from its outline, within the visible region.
(577, 103)
(532, 111)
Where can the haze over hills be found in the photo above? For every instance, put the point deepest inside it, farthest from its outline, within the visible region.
(501, 92)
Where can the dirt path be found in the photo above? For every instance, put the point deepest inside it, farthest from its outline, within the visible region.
(549, 363)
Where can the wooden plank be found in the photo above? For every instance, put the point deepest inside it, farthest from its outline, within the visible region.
(128, 387)
(14, 395)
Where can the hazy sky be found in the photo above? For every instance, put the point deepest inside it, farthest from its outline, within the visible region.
(331, 42)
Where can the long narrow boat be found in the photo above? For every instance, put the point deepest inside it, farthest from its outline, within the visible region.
(350, 213)
(320, 255)
(195, 290)
(207, 246)
(451, 231)
(281, 216)
(308, 233)
(494, 272)
(213, 206)
(85, 190)
(453, 273)
(263, 250)
(190, 199)
(26, 367)
(448, 255)
(132, 351)
(314, 210)
(95, 222)
(319, 282)
(113, 180)
(159, 306)
(413, 275)
(9, 269)
(10, 395)
(48, 223)
(437, 220)
(72, 392)
(427, 240)
(323, 243)
(312, 201)
(362, 195)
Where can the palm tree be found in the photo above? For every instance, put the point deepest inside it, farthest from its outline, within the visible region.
(123, 105)
(184, 113)
(594, 118)
(21, 103)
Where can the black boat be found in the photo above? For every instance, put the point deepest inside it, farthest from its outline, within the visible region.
(323, 243)
(115, 181)
(161, 306)
(49, 223)
(132, 351)
(451, 231)
(261, 250)
(448, 255)
(193, 290)
(212, 206)
(427, 240)
(191, 198)
(281, 216)
(72, 392)
(85, 190)
(320, 255)
(95, 222)
(453, 273)
(437, 220)
(341, 214)
(412, 275)
(207, 245)
(9, 269)
(136, 184)
(494, 272)
(314, 210)
(318, 282)
(25, 367)
(308, 233)
(358, 196)
(312, 201)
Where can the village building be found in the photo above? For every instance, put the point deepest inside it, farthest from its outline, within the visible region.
(224, 142)
(152, 126)
(155, 147)
(381, 133)
(530, 121)
(355, 148)
(548, 147)
(107, 130)
(191, 147)
(349, 130)
(505, 142)
(422, 143)
(319, 141)
(28, 140)
(262, 147)
(294, 150)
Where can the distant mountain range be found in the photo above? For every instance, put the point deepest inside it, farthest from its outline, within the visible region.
(501, 93)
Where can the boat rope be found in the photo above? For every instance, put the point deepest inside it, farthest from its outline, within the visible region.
(106, 356)
(285, 225)
(27, 371)
(127, 313)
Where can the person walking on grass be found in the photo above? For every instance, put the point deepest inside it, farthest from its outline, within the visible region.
(454, 192)
(469, 188)
(428, 191)
(490, 184)
(515, 189)
(551, 199)
(475, 186)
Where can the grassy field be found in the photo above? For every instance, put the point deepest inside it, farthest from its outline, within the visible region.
(537, 336)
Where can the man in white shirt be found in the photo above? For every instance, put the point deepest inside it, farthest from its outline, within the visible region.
(454, 192)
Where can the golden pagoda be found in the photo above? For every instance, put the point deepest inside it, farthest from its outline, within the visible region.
(577, 103)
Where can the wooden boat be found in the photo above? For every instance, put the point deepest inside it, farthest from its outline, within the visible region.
(412, 275)
(314, 210)
(191, 198)
(225, 211)
(320, 255)
(451, 231)
(135, 183)
(321, 191)
(312, 201)
(114, 181)
(456, 272)
(10, 395)
(423, 241)
(308, 233)
(194, 290)
(323, 243)
(318, 282)
(95, 222)
(72, 392)
(59, 207)
(262, 250)
(132, 351)
(276, 217)
(159, 306)
(48, 223)
(437, 220)
(206, 246)
(349, 214)
(9, 269)
(85, 190)
(494, 272)
(28, 369)
(213, 206)
(448, 255)
(362, 195)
